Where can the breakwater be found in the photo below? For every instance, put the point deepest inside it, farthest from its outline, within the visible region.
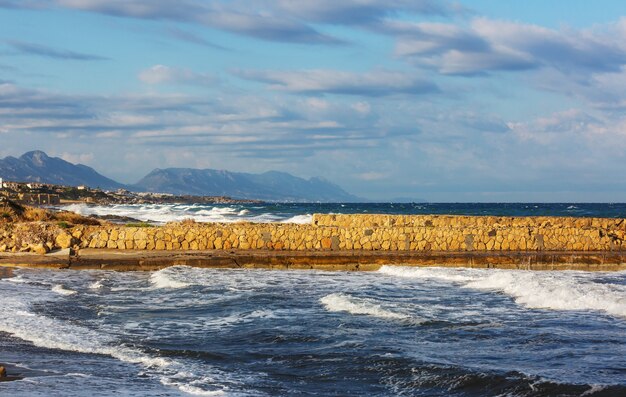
(377, 238)
(363, 232)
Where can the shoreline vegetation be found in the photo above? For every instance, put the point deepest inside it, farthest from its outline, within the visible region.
(36, 237)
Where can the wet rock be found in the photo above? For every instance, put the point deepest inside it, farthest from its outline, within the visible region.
(4, 377)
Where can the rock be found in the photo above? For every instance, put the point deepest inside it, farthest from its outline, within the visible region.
(63, 240)
(40, 248)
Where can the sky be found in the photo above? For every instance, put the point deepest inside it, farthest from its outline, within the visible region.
(463, 101)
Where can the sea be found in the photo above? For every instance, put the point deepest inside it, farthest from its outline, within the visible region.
(302, 212)
(398, 331)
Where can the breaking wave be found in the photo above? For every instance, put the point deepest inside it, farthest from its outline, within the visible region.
(531, 289)
(19, 320)
(345, 303)
(163, 279)
(62, 290)
(163, 213)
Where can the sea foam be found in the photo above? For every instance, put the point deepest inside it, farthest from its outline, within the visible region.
(62, 290)
(164, 279)
(299, 219)
(531, 289)
(18, 320)
(338, 302)
(163, 213)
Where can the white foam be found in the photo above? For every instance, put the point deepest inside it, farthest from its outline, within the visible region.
(96, 285)
(162, 279)
(549, 291)
(434, 273)
(17, 320)
(77, 375)
(532, 289)
(55, 334)
(189, 388)
(345, 303)
(300, 219)
(163, 213)
(61, 290)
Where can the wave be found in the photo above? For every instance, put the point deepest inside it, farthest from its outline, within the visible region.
(62, 290)
(299, 219)
(18, 320)
(556, 292)
(338, 302)
(164, 213)
(434, 273)
(162, 279)
(97, 284)
(55, 334)
(531, 289)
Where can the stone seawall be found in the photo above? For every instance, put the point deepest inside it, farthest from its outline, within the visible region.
(412, 233)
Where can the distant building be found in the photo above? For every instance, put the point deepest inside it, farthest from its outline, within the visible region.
(39, 199)
(11, 185)
(81, 187)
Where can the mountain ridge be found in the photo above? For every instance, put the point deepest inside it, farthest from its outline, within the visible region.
(37, 166)
(270, 185)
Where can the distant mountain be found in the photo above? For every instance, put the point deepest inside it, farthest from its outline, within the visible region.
(36, 166)
(271, 186)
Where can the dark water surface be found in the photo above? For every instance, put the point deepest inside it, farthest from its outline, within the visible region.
(396, 332)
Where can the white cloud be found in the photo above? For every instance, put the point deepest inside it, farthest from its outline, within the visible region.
(490, 45)
(161, 74)
(362, 107)
(374, 83)
(80, 158)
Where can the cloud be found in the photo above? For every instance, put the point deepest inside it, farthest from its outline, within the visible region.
(360, 12)
(490, 45)
(231, 16)
(570, 124)
(193, 38)
(77, 158)
(242, 123)
(323, 81)
(392, 146)
(280, 20)
(160, 74)
(26, 48)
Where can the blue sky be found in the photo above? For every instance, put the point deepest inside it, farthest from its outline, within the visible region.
(482, 100)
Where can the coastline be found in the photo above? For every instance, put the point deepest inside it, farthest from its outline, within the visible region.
(142, 260)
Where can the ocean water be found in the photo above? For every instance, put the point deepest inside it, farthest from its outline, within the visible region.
(301, 213)
(400, 331)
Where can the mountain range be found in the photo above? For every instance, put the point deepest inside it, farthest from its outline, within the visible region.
(37, 166)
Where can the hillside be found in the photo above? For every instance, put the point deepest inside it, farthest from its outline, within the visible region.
(37, 166)
(272, 186)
